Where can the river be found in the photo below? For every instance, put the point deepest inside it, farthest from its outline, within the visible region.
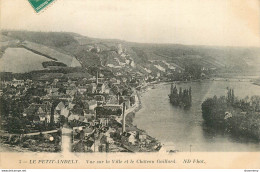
(184, 130)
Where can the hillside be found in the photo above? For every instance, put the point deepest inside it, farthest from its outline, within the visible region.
(51, 53)
(116, 55)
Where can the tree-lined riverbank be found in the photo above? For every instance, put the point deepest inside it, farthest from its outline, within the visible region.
(241, 117)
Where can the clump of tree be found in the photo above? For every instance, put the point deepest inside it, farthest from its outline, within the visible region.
(102, 112)
(181, 98)
(237, 116)
(53, 63)
(11, 114)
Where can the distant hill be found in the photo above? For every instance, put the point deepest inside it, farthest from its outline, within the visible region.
(76, 50)
(213, 56)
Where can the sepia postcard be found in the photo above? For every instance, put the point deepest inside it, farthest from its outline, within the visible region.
(126, 84)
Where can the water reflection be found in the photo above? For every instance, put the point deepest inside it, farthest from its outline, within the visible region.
(210, 133)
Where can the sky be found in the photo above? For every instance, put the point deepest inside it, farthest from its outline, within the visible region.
(193, 22)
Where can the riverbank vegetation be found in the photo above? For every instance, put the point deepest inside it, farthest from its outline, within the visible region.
(240, 117)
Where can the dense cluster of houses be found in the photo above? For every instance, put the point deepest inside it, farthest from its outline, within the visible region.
(95, 109)
(71, 101)
(111, 136)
